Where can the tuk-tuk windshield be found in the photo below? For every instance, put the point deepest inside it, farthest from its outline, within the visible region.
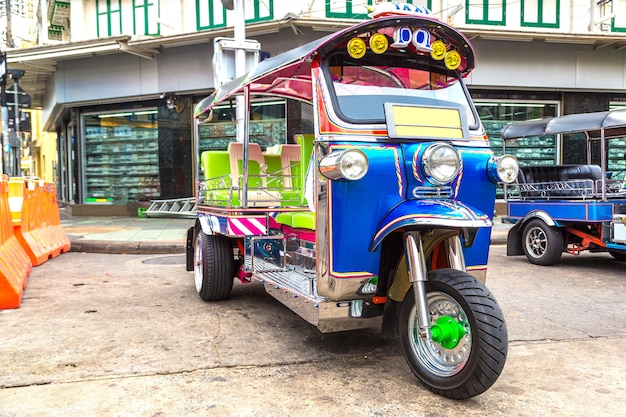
(361, 87)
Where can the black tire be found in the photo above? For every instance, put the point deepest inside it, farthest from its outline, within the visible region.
(475, 364)
(213, 266)
(542, 244)
(618, 255)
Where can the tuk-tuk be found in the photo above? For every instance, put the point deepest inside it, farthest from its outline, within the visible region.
(575, 207)
(361, 193)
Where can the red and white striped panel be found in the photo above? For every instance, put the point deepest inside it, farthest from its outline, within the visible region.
(247, 226)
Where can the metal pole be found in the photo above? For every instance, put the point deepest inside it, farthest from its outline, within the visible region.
(240, 63)
(18, 156)
(242, 101)
(4, 163)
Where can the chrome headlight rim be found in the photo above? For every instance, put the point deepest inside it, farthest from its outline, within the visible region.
(349, 164)
(432, 163)
(506, 168)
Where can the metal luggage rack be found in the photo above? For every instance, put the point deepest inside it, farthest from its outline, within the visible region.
(569, 189)
(222, 191)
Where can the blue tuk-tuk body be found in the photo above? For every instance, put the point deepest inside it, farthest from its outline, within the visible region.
(361, 192)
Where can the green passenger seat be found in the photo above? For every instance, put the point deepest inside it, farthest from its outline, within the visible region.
(259, 193)
(216, 173)
(303, 220)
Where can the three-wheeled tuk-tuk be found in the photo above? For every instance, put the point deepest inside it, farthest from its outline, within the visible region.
(570, 208)
(361, 193)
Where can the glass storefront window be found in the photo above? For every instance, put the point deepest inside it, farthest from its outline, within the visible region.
(617, 149)
(530, 151)
(121, 154)
(268, 126)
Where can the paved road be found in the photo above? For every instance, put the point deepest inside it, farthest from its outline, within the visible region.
(126, 335)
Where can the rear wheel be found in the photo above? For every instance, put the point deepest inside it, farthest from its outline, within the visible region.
(213, 266)
(542, 244)
(618, 255)
(469, 341)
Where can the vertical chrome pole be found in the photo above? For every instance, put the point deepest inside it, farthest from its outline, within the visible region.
(454, 253)
(603, 162)
(416, 265)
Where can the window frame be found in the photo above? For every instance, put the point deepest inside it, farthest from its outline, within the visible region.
(109, 13)
(540, 9)
(146, 5)
(211, 15)
(349, 13)
(257, 12)
(485, 20)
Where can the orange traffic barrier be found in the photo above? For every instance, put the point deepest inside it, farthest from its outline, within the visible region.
(15, 265)
(36, 220)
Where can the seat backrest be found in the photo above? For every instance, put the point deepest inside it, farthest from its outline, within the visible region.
(214, 164)
(235, 151)
(586, 172)
(306, 149)
(290, 155)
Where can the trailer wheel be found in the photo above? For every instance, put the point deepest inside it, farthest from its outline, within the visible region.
(618, 255)
(467, 363)
(542, 244)
(213, 266)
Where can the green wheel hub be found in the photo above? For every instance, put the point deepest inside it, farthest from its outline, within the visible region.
(447, 332)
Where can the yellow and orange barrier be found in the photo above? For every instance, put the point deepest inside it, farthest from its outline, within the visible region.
(36, 220)
(15, 265)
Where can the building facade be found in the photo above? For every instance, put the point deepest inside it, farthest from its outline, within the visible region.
(117, 86)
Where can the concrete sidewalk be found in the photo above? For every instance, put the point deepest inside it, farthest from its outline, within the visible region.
(133, 235)
(130, 235)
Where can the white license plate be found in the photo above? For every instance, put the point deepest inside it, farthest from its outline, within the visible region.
(619, 232)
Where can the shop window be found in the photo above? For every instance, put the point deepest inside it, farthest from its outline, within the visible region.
(348, 9)
(108, 18)
(541, 13)
(529, 151)
(617, 148)
(121, 157)
(268, 126)
(260, 11)
(485, 12)
(210, 14)
(146, 14)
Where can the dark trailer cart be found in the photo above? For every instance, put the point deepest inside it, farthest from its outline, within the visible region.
(569, 208)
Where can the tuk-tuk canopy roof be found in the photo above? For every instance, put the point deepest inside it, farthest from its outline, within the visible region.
(289, 74)
(613, 123)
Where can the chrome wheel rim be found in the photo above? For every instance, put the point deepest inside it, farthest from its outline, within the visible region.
(536, 242)
(197, 263)
(435, 358)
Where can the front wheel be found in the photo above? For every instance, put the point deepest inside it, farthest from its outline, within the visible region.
(467, 363)
(213, 266)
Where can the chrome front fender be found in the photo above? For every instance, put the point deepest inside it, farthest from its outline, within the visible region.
(429, 214)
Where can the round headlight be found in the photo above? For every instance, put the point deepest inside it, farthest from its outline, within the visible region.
(351, 164)
(507, 168)
(441, 163)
